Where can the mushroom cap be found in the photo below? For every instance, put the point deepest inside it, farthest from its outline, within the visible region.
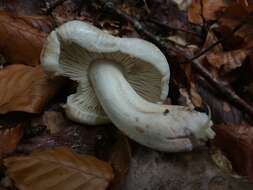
(72, 47)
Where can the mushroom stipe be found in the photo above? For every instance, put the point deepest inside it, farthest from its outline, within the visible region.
(122, 80)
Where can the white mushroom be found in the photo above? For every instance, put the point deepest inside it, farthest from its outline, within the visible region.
(128, 77)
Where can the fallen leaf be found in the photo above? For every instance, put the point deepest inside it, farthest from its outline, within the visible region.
(194, 12)
(228, 60)
(9, 138)
(54, 121)
(212, 8)
(120, 159)
(236, 142)
(195, 97)
(177, 40)
(205, 10)
(20, 42)
(222, 161)
(185, 98)
(211, 39)
(25, 88)
(183, 4)
(58, 168)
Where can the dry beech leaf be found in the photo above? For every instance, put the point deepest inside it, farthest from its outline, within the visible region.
(236, 141)
(58, 169)
(195, 97)
(54, 121)
(20, 42)
(25, 88)
(228, 60)
(210, 40)
(194, 12)
(120, 159)
(209, 11)
(211, 8)
(9, 138)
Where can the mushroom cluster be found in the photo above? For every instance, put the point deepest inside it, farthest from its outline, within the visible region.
(122, 80)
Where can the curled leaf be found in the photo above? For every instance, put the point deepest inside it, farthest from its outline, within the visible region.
(25, 88)
(20, 42)
(59, 168)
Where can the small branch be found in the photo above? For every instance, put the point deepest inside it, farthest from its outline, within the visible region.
(237, 28)
(174, 28)
(224, 89)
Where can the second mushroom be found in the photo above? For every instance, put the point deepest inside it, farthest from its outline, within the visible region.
(123, 80)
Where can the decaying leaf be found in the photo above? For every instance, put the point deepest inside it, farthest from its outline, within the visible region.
(9, 138)
(20, 42)
(210, 40)
(228, 60)
(54, 121)
(212, 8)
(205, 10)
(194, 12)
(25, 88)
(221, 161)
(120, 159)
(236, 142)
(58, 168)
(195, 97)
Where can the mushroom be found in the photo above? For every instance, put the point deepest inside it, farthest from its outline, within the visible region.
(124, 79)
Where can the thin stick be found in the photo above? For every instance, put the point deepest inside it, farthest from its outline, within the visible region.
(224, 89)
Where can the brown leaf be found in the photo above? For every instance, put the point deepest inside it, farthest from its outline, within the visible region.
(228, 60)
(236, 141)
(211, 39)
(20, 42)
(205, 10)
(120, 159)
(25, 88)
(59, 168)
(233, 15)
(195, 97)
(9, 138)
(194, 12)
(211, 8)
(54, 121)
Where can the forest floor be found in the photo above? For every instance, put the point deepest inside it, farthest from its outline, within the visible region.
(208, 45)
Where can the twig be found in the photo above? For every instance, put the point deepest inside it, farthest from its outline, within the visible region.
(224, 89)
(108, 5)
(238, 27)
(174, 28)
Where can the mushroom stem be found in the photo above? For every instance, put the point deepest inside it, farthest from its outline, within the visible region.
(162, 127)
